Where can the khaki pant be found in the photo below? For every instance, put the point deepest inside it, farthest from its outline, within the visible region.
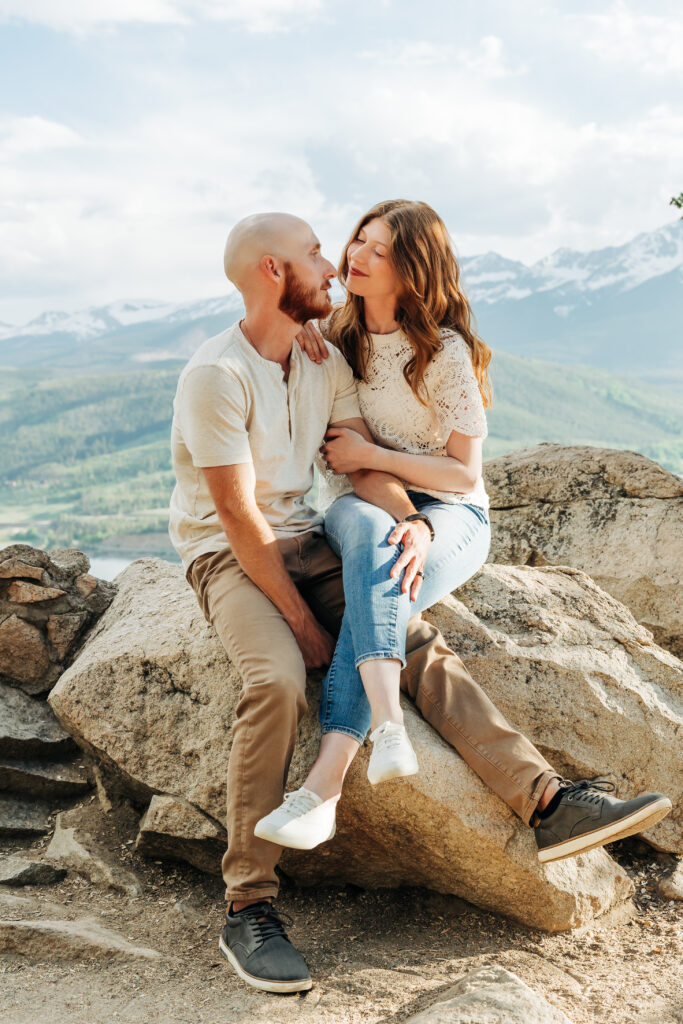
(263, 649)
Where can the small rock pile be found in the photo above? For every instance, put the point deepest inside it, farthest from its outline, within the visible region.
(48, 601)
(39, 772)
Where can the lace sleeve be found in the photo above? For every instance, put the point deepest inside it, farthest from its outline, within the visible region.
(455, 391)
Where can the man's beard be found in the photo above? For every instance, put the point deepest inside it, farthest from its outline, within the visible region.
(300, 303)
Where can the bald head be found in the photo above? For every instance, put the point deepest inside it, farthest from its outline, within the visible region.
(263, 234)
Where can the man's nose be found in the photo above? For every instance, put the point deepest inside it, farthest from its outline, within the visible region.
(331, 270)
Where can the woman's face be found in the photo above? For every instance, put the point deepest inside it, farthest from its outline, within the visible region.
(371, 273)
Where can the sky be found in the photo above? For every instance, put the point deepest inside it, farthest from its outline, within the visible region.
(135, 133)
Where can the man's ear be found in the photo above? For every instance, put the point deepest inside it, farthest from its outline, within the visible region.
(273, 268)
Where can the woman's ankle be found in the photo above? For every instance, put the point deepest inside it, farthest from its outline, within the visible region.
(326, 777)
(324, 787)
(395, 717)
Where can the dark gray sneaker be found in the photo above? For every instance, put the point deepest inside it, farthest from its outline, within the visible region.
(256, 944)
(587, 816)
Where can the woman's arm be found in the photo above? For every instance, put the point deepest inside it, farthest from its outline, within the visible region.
(388, 493)
(458, 471)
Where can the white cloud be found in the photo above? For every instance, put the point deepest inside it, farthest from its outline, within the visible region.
(648, 43)
(484, 61)
(22, 135)
(83, 16)
(103, 213)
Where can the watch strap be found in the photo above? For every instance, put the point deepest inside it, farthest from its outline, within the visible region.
(425, 519)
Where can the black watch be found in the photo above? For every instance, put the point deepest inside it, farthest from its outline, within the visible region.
(425, 519)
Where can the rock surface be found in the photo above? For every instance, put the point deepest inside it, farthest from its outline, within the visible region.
(614, 514)
(48, 600)
(74, 846)
(43, 779)
(22, 817)
(670, 886)
(28, 728)
(173, 828)
(570, 667)
(68, 940)
(21, 871)
(491, 995)
(152, 695)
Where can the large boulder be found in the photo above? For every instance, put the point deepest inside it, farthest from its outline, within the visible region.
(570, 667)
(614, 514)
(152, 695)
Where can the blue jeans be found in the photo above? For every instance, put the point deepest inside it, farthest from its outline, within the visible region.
(377, 612)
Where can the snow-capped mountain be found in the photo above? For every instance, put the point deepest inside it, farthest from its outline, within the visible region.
(492, 278)
(619, 308)
(96, 321)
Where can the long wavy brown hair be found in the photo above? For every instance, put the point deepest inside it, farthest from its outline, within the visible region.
(431, 297)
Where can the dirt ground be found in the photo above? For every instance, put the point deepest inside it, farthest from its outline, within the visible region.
(375, 957)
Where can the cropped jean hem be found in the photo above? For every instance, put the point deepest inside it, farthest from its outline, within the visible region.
(343, 729)
(381, 656)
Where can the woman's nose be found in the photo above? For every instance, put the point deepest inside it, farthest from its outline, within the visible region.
(358, 254)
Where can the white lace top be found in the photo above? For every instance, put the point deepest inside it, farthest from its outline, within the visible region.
(397, 420)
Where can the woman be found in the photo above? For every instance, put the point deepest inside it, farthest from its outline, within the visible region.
(405, 329)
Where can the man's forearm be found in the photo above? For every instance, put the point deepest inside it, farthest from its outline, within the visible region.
(383, 490)
(256, 549)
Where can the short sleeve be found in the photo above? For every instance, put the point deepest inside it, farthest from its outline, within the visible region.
(213, 415)
(455, 391)
(345, 404)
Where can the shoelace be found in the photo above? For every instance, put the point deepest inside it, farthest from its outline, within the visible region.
(266, 922)
(299, 803)
(588, 790)
(389, 740)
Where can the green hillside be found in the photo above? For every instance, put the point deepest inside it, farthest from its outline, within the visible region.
(84, 460)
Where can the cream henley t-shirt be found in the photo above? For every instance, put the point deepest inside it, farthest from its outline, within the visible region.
(234, 406)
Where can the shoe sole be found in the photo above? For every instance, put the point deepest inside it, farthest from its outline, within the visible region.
(398, 772)
(265, 984)
(293, 843)
(634, 823)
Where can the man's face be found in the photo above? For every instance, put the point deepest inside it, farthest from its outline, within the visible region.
(306, 293)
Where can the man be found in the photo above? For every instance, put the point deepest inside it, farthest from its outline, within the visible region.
(250, 414)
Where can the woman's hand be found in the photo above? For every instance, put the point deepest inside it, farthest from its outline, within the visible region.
(345, 451)
(312, 342)
(415, 538)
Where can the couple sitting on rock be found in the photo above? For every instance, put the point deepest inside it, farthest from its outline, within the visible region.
(394, 400)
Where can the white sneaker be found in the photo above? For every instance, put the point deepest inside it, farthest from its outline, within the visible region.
(392, 754)
(301, 821)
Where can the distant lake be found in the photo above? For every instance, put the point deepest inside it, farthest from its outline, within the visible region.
(107, 568)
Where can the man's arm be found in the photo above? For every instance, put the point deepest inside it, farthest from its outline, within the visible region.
(255, 547)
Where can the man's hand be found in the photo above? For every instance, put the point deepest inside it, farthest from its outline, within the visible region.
(345, 451)
(315, 643)
(312, 342)
(415, 539)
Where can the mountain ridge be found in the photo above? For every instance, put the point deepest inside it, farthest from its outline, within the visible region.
(618, 308)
